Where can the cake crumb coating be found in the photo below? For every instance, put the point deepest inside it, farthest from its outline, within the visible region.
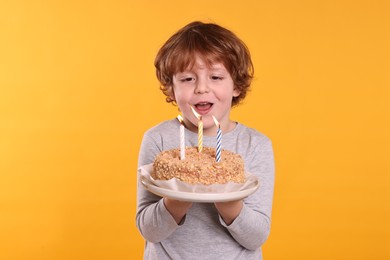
(199, 168)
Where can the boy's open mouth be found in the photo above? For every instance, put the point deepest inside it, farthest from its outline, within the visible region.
(203, 107)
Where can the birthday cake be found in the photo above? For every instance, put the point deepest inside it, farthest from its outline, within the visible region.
(199, 167)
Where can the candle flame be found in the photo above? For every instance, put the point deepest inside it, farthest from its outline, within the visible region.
(216, 122)
(196, 114)
(180, 118)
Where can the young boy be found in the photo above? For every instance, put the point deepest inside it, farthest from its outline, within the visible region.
(207, 67)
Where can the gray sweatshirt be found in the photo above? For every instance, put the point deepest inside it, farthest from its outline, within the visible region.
(202, 234)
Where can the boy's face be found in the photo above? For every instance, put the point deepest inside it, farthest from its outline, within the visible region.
(209, 90)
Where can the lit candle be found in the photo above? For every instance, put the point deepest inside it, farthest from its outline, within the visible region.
(200, 130)
(219, 139)
(182, 139)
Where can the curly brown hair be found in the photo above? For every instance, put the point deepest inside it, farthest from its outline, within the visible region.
(214, 44)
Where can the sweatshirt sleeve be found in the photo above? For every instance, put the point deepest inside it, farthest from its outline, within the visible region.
(153, 220)
(252, 226)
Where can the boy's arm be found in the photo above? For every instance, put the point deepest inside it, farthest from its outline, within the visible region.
(229, 211)
(252, 225)
(177, 209)
(153, 220)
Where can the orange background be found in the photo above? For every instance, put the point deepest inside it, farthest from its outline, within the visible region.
(78, 90)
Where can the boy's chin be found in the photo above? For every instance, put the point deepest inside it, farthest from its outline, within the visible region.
(209, 124)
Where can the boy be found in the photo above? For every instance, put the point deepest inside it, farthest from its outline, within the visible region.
(207, 67)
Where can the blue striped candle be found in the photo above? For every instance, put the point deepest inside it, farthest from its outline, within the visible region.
(219, 138)
(219, 141)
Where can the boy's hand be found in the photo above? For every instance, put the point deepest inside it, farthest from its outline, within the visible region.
(229, 211)
(176, 208)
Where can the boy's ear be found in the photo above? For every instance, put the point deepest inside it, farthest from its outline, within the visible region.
(236, 92)
(172, 94)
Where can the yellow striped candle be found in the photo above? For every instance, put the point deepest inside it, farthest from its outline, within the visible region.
(200, 135)
(200, 130)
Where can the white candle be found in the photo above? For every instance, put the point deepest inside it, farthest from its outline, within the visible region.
(182, 139)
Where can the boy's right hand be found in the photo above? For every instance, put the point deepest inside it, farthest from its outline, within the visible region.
(177, 208)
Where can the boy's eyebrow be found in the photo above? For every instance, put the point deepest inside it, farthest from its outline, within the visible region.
(183, 72)
(214, 67)
(217, 66)
(219, 69)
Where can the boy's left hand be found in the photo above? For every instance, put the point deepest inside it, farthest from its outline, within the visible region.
(229, 210)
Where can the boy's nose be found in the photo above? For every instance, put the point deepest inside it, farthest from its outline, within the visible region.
(202, 87)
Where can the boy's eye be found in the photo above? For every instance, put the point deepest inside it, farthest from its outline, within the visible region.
(216, 78)
(187, 79)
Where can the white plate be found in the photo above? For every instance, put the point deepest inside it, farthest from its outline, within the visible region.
(199, 197)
